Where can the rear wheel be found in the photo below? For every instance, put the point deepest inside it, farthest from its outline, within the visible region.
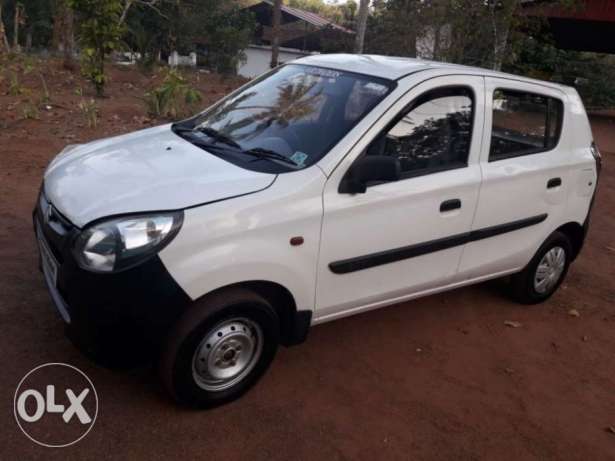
(220, 348)
(545, 272)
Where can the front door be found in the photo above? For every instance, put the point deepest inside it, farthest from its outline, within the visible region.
(405, 236)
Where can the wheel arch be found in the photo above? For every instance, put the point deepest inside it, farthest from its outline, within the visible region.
(294, 324)
(576, 234)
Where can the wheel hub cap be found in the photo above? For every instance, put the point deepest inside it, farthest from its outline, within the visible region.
(227, 353)
(550, 270)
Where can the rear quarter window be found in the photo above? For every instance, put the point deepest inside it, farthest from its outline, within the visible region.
(524, 123)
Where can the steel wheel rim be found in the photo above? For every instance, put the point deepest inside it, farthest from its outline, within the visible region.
(227, 354)
(550, 270)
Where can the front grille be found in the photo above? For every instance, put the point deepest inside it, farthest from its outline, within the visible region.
(57, 230)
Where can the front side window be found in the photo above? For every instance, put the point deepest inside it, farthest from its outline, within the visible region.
(287, 120)
(434, 133)
(523, 123)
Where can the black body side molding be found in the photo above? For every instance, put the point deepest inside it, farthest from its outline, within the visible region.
(358, 263)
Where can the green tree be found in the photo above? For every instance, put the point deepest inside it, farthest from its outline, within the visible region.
(592, 74)
(34, 23)
(4, 42)
(392, 27)
(217, 30)
(462, 31)
(227, 34)
(99, 32)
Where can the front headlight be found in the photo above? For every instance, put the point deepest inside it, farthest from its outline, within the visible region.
(118, 244)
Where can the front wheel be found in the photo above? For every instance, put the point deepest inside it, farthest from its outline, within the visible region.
(545, 272)
(220, 348)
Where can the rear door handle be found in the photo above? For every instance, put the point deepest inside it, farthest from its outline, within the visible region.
(554, 182)
(449, 205)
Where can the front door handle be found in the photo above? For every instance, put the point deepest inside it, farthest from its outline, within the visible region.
(449, 205)
(554, 182)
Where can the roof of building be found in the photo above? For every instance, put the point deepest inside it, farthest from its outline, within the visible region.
(394, 68)
(310, 17)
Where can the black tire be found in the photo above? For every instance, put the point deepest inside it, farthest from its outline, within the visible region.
(522, 284)
(176, 363)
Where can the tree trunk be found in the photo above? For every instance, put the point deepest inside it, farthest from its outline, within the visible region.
(361, 26)
(127, 6)
(100, 64)
(68, 38)
(16, 23)
(58, 25)
(275, 39)
(4, 42)
(501, 42)
(501, 31)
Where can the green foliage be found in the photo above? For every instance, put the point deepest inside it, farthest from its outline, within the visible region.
(486, 33)
(227, 36)
(38, 21)
(15, 88)
(100, 33)
(592, 74)
(46, 97)
(15, 67)
(29, 110)
(597, 86)
(460, 31)
(89, 110)
(174, 97)
(143, 42)
(28, 64)
(217, 30)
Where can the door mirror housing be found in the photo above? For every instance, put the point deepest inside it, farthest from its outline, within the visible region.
(369, 169)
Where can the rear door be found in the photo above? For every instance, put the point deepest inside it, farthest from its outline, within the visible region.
(525, 177)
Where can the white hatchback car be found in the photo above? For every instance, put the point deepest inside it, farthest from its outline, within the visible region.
(327, 187)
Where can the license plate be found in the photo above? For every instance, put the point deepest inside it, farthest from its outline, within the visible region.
(50, 265)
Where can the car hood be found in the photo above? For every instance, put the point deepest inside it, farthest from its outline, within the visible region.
(149, 170)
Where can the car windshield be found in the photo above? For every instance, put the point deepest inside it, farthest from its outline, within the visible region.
(288, 119)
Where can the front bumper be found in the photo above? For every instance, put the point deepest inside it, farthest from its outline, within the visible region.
(118, 318)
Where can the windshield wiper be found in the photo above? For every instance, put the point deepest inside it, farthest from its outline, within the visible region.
(261, 152)
(217, 136)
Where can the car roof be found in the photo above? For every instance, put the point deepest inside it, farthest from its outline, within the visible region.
(394, 68)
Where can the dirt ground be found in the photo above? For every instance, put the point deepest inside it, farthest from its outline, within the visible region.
(436, 378)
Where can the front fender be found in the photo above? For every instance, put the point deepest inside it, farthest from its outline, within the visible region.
(248, 238)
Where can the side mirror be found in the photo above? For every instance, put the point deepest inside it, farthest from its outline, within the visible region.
(369, 169)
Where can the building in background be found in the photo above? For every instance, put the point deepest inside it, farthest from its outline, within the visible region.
(301, 33)
(586, 25)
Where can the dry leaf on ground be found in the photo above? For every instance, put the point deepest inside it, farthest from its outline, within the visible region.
(513, 324)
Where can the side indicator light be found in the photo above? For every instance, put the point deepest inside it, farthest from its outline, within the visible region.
(296, 241)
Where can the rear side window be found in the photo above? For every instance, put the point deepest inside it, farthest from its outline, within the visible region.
(524, 123)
